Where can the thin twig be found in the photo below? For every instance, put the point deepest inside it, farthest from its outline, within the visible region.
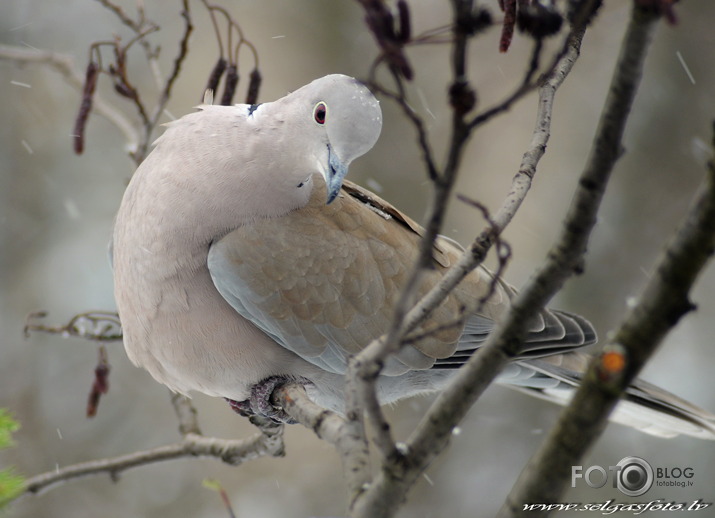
(586, 12)
(123, 17)
(186, 414)
(165, 95)
(520, 186)
(434, 431)
(527, 86)
(178, 60)
(505, 341)
(98, 326)
(366, 365)
(140, 26)
(659, 308)
(65, 66)
(367, 396)
(233, 452)
(423, 140)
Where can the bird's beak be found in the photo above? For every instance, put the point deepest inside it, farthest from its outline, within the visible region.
(334, 174)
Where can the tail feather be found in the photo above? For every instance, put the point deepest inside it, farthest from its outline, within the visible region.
(645, 406)
(549, 367)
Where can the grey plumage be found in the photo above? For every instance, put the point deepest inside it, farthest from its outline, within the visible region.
(231, 266)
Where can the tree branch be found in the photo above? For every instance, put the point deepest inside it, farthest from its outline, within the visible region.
(233, 452)
(186, 414)
(564, 257)
(659, 308)
(520, 186)
(406, 319)
(165, 95)
(504, 343)
(331, 427)
(398, 475)
(141, 25)
(366, 366)
(97, 326)
(65, 66)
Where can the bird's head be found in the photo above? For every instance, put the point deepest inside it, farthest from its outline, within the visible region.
(343, 120)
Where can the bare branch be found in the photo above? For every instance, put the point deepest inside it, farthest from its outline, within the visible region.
(186, 414)
(367, 396)
(165, 95)
(398, 475)
(564, 258)
(329, 426)
(368, 363)
(380, 21)
(65, 66)
(505, 341)
(582, 18)
(178, 61)
(124, 17)
(98, 326)
(138, 145)
(520, 186)
(233, 452)
(140, 26)
(659, 308)
(460, 95)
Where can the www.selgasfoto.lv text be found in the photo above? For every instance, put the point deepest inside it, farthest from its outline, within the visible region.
(609, 507)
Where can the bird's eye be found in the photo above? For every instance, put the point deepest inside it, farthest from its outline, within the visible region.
(320, 112)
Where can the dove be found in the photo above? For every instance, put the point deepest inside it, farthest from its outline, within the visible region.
(243, 259)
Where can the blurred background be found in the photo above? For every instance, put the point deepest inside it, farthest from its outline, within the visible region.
(56, 211)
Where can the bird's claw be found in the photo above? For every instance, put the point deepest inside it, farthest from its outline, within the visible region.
(259, 403)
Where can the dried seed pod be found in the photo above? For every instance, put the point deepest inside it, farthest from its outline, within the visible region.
(229, 88)
(216, 74)
(101, 382)
(254, 85)
(507, 32)
(90, 85)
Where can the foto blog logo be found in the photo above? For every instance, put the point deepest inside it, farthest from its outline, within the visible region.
(632, 476)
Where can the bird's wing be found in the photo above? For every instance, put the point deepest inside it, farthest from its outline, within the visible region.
(323, 281)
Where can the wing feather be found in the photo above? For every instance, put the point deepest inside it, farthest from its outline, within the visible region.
(323, 281)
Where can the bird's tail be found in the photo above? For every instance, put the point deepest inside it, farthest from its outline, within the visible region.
(645, 406)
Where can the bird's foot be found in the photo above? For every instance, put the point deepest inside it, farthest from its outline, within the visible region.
(259, 402)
